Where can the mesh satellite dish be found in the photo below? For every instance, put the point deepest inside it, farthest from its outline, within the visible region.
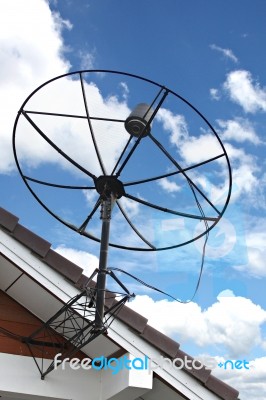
(141, 154)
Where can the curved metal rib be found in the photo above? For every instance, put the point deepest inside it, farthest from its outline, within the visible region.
(84, 225)
(57, 185)
(68, 224)
(73, 116)
(173, 173)
(133, 226)
(52, 144)
(90, 126)
(167, 210)
(161, 147)
(121, 155)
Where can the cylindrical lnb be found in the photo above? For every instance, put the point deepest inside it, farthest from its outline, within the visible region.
(138, 120)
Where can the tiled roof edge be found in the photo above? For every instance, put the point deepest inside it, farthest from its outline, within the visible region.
(62, 265)
(163, 343)
(39, 246)
(8, 220)
(34, 242)
(221, 388)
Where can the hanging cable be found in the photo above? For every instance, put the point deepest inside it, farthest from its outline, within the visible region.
(165, 293)
(202, 259)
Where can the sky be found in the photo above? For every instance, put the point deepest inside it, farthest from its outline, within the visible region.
(212, 54)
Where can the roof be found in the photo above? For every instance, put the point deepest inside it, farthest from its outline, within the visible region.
(74, 275)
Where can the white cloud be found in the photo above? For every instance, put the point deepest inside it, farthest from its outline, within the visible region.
(26, 60)
(232, 322)
(215, 94)
(81, 258)
(257, 266)
(87, 60)
(91, 196)
(244, 91)
(200, 148)
(250, 383)
(61, 23)
(256, 250)
(125, 90)
(173, 123)
(169, 186)
(131, 207)
(239, 130)
(195, 149)
(244, 176)
(226, 293)
(245, 173)
(228, 53)
(245, 180)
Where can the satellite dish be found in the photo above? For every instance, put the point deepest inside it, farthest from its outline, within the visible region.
(127, 146)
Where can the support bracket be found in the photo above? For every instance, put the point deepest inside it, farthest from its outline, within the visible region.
(73, 326)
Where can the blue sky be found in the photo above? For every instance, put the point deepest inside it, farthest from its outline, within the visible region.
(212, 54)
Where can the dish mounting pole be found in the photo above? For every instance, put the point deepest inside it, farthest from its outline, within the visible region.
(108, 202)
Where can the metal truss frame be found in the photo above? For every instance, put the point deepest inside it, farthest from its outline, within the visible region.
(73, 326)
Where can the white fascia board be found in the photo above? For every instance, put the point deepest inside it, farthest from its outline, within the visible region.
(126, 383)
(19, 377)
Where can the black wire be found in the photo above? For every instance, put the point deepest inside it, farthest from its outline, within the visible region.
(142, 282)
(202, 259)
(165, 293)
